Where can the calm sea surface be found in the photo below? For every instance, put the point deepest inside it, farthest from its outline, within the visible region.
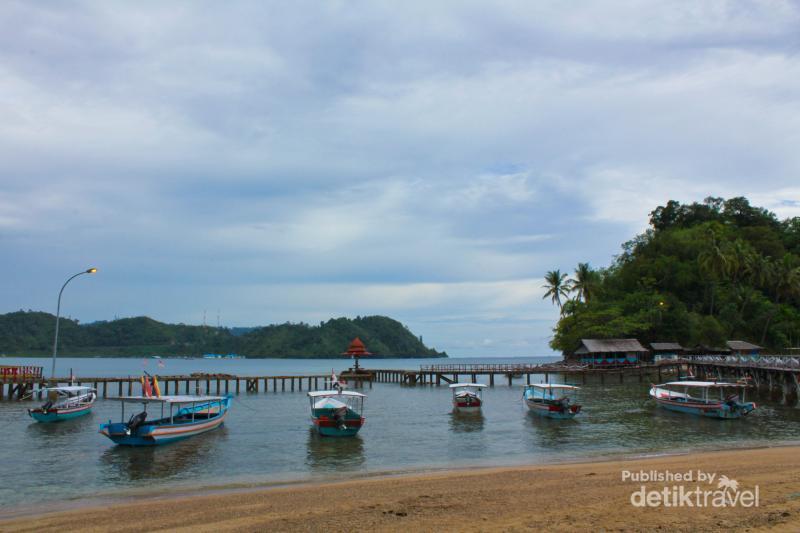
(267, 437)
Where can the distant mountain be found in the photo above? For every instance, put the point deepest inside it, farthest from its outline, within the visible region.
(31, 333)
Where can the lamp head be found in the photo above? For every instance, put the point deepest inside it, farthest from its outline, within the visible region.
(91, 270)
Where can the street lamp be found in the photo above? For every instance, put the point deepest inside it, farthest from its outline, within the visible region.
(58, 315)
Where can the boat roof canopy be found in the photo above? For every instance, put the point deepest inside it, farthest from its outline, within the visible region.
(466, 385)
(552, 386)
(699, 384)
(319, 393)
(168, 399)
(69, 388)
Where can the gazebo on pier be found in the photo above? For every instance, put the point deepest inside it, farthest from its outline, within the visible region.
(356, 350)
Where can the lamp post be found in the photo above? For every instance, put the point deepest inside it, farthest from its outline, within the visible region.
(58, 316)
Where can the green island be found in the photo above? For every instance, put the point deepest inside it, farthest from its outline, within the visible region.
(27, 333)
(700, 274)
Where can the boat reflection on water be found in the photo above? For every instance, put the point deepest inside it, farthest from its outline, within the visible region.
(127, 463)
(332, 455)
(551, 433)
(466, 422)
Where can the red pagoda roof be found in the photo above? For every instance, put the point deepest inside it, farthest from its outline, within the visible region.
(356, 348)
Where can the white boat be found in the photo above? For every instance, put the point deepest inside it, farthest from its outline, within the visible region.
(467, 396)
(705, 398)
(551, 400)
(64, 403)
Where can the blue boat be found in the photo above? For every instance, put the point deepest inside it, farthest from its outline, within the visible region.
(703, 398)
(180, 417)
(337, 413)
(64, 403)
(551, 400)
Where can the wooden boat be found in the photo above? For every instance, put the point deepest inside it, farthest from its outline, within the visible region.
(64, 403)
(551, 400)
(705, 398)
(337, 413)
(467, 396)
(180, 417)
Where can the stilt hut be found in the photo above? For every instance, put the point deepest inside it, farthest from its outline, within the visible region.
(609, 352)
(744, 348)
(666, 350)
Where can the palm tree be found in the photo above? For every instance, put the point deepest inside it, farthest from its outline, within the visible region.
(714, 261)
(585, 282)
(556, 286)
(784, 278)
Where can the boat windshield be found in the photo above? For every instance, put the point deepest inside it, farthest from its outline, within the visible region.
(337, 401)
(538, 393)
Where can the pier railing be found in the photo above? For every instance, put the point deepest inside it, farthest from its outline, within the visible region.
(19, 374)
(469, 368)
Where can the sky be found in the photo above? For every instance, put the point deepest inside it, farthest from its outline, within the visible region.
(264, 162)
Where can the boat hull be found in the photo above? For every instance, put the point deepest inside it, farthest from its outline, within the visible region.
(550, 410)
(59, 415)
(463, 407)
(709, 410)
(327, 427)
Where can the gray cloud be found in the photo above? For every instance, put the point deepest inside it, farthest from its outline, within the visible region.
(268, 159)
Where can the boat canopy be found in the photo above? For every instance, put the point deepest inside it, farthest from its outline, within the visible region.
(699, 384)
(69, 388)
(329, 403)
(467, 385)
(169, 399)
(552, 386)
(321, 393)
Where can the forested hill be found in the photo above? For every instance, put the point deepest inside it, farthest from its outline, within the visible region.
(31, 333)
(703, 273)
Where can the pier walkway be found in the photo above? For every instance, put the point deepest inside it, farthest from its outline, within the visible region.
(24, 385)
(777, 375)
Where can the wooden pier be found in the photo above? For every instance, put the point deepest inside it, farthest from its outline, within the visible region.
(21, 385)
(777, 376)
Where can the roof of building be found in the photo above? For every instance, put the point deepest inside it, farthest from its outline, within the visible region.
(664, 346)
(742, 345)
(610, 346)
(356, 348)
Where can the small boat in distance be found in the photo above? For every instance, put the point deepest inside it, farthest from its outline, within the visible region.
(64, 403)
(551, 400)
(695, 397)
(467, 396)
(337, 413)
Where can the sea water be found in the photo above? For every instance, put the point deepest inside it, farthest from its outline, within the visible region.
(267, 438)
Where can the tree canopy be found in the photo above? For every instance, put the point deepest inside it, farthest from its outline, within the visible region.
(31, 333)
(702, 273)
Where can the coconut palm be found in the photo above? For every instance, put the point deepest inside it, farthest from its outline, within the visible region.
(557, 287)
(585, 282)
(714, 262)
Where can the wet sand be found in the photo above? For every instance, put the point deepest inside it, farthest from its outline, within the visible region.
(564, 497)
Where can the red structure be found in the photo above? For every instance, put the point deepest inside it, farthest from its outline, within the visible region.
(356, 350)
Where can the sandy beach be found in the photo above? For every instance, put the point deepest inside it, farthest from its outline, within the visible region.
(576, 496)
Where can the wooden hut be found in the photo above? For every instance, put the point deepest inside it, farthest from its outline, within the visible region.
(666, 350)
(744, 348)
(609, 352)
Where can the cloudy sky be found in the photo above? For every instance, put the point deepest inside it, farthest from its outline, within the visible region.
(429, 161)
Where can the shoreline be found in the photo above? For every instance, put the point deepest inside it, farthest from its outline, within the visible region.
(139, 494)
(773, 465)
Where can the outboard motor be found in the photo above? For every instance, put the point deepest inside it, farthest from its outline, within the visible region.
(136, 421)
(46, 407)
(732, 401)
(339, 416)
